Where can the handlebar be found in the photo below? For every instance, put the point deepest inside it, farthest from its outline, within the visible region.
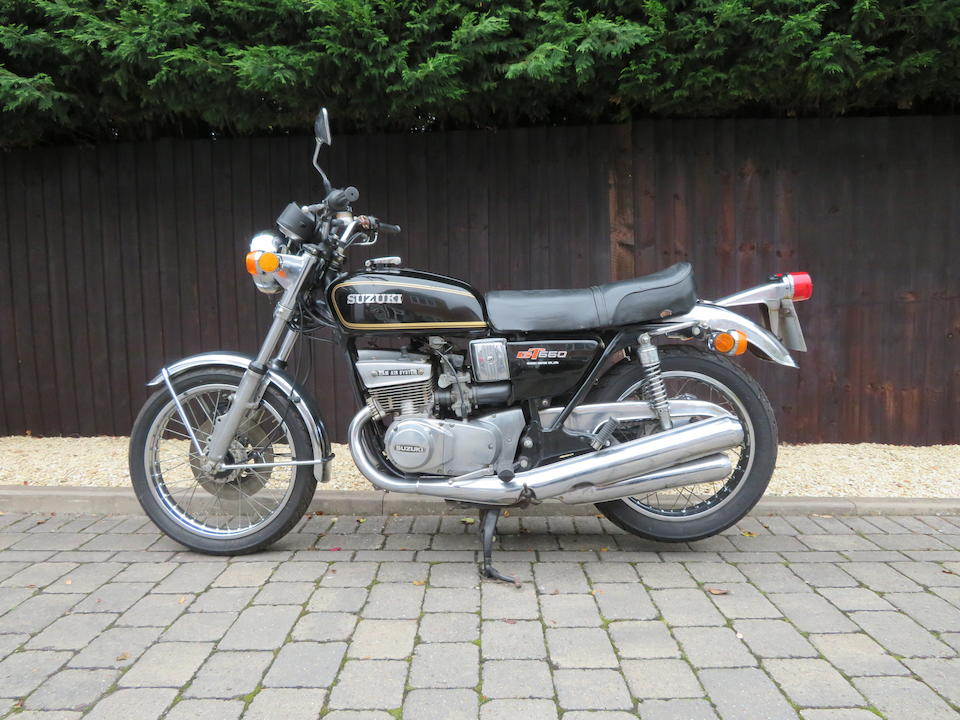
(388, 228)
(372, 223)
(304, 222)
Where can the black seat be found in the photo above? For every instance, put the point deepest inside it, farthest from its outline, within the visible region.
(662, 294)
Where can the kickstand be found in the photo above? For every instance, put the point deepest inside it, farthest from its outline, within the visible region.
(488, 526)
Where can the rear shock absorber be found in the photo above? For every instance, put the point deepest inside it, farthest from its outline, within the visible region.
(653, 388)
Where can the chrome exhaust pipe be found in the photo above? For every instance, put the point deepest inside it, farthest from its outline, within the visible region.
(708, 469)
(599, 469)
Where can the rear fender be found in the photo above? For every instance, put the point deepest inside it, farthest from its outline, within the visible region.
(283, 382)
(775, 298)
(709, 317)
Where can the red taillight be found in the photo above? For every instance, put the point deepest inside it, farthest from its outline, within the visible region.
(802, 286)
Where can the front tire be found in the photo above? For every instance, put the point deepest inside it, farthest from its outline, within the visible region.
(699, 511)
(235, 512)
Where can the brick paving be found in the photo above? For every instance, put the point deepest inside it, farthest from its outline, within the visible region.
(800, 618)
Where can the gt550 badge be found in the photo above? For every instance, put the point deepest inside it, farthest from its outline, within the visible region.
(541, 354)
(374, 298)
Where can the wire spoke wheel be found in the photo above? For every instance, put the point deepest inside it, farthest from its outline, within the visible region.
(230, 503)
(692, 512)
(688, 500)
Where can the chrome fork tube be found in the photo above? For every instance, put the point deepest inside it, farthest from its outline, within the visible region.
(251, 384)
(286, 347)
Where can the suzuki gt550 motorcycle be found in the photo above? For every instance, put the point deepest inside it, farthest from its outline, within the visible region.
(622, 395)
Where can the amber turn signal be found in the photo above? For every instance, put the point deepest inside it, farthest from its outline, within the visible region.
(733, 342)
(259, 261)
(269, 262)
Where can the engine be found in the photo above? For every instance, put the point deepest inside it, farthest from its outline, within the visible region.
(408, 391)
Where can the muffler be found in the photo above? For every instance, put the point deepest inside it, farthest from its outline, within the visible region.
(709, 469)
(598, 470)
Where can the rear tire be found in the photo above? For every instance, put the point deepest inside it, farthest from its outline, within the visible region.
(176, 494)
(689, 368)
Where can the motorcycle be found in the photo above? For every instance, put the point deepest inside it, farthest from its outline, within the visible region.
(621, 395)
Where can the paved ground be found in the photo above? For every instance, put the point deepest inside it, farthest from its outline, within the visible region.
(815, 617)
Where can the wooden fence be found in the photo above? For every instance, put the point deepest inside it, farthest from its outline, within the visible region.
(120, 258)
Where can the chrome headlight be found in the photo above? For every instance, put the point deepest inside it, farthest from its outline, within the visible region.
(266, 247)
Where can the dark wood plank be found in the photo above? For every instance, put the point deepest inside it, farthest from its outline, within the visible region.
(168, 250)
(153, 302)
(498, 202)
(437, 198)
(188, 207)
(13, 418)
(130, 259)
(95, 280)
(208, 290)
(37, 273)
(115, 314)
(245, 223)
(643, 142)
(582, 238)
(23, 348)
(79, 348)
(228, 247)
(478, 205)
(459, 176)
(536, 198)
(517, 223)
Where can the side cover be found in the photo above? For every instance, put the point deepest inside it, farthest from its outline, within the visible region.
(371, 302)
(547, 368)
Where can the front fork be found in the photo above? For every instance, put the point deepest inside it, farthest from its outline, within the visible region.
(252, 384)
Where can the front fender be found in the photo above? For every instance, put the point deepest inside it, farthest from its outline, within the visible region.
(762, 342)
(280, 379)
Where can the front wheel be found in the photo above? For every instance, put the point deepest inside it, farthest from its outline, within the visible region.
(694, 512)
(235, 511)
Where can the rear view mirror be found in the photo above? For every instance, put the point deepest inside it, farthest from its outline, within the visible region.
(321, 128)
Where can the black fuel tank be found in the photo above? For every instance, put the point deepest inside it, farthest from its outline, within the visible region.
(406, 300)
(547, 368)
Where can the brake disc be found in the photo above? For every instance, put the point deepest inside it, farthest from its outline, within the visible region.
(234, 484)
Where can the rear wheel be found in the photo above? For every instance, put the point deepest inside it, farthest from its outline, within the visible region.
(234, 511)
(697, 511)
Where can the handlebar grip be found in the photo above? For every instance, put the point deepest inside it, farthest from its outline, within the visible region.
(388, 229)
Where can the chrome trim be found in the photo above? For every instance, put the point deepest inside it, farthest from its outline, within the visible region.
(714, 317)
(241, 362)
(653, 389)
(286, 347)
(709, 469)
(770, 292)
(291, 268)
(180, 411)
(388, 261)
(245, 466)
(488, 358)
(782, 318)
(601, 468)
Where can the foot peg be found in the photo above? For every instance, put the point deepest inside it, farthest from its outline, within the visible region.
(606, 431)
(488, 527)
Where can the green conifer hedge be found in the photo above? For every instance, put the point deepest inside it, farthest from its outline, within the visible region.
(89, 69)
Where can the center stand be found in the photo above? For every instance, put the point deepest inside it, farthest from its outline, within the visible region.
(488, 527)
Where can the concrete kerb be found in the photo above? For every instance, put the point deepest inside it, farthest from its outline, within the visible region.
(123, 501)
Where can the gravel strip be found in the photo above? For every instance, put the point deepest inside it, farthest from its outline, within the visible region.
(824, 470)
